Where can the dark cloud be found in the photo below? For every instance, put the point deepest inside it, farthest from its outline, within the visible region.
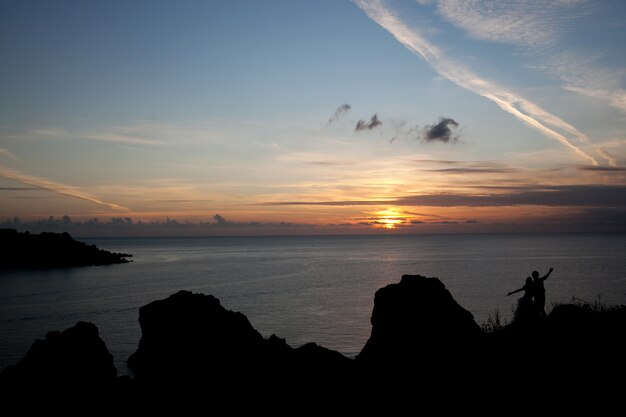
(341, 110)
(441, 131)
(372, 124)
(602, 169)
(556, 196)
(553, 196)
(19, 189)
(328, 203)
(126, 226)
(219, 219)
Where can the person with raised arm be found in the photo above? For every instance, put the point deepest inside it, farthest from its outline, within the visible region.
(539, 291)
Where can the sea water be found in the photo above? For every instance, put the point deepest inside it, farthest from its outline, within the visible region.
(303, 289)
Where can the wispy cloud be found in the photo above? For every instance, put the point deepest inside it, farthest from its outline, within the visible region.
(62, 189)
(532, 23)
(18, 188)
(538, 26)
(8, 154)
(121, 138)
(611, 159)
(140, 133)
(582, 75)
(529, 113)
(341, 110)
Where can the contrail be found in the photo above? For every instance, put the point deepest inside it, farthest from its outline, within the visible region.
(612, 160)
(524, 110)
(45, 184)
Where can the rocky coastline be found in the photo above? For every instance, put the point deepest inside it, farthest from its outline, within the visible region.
(422, 341)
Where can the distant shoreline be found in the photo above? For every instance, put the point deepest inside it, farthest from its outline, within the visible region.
(355, 235)
(51, 250)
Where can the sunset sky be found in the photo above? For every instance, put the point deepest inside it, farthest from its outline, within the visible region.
(326, 116)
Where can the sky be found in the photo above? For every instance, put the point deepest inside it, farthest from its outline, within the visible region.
(313, 117)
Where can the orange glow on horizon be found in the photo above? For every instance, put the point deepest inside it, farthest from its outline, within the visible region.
(389, 219)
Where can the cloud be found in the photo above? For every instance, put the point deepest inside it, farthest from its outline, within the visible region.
(62, 189)
(531, 23)
(341, 110)
(8, 154)
(603, 169)
(551, 196)
(437, 162)
(464, 171)
(610, 158)
(219, 219)
(400, 131)
(140, 133)
(372, 124)
(126, 226)
(464, 167)
(527, 112)
(582, 75)
(441, 131)
(539, 25)
(328, 203)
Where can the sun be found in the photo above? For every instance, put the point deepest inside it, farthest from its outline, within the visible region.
(389, 219)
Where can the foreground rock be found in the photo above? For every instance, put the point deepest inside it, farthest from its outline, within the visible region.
(191, 339)
(71, 360)
(187, 334)
(417, 317)
(424, 348)
(51, 250)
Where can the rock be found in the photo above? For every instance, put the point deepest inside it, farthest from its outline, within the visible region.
(74, 359)
(190, 337)
(51, 250)
(415, 317)
(191, 342)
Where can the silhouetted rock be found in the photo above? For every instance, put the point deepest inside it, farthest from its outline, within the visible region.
(424, 347)
(191, 336)
(415, 317)
(51, 250)
(191, 341)
(75, 359)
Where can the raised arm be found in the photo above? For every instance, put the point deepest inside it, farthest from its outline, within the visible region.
(517, 290)
(545, 277)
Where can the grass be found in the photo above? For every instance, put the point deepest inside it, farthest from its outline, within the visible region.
(593, 306)
(494, 323)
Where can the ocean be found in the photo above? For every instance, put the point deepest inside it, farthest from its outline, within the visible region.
(304, 289)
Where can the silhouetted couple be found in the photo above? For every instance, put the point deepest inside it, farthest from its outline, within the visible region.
(532, 304)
